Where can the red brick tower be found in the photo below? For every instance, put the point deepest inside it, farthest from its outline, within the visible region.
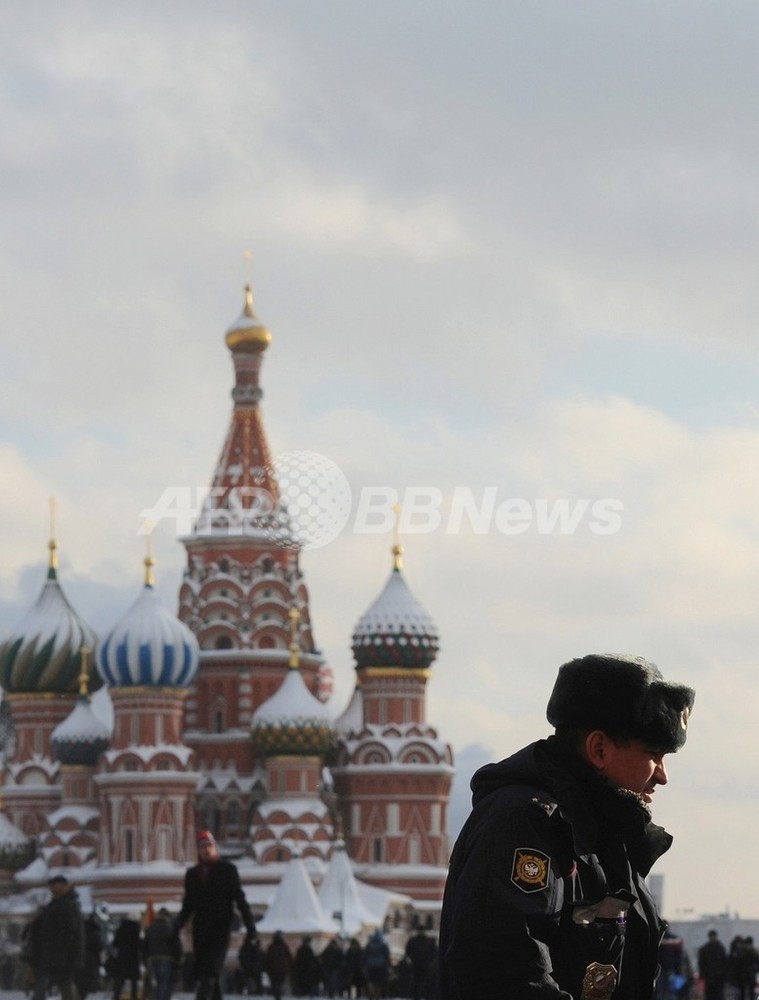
(146, 780)
(292, 731)
(394, 773)
(242, 578)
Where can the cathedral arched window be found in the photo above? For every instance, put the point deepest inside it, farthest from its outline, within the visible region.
(377, 851)
(211, 816)
(234, 816)
(223, 642)
(414, 849)
(127, 842)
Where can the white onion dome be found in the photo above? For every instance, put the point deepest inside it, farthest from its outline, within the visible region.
(16, 848)
(149, 646)
(43, 655)
(395, 631)
(292, 721)
(83, 735)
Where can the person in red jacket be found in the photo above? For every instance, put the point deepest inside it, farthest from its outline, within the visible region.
(212, 890)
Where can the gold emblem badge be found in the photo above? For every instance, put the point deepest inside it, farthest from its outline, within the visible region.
(530, 869)
(598, 982)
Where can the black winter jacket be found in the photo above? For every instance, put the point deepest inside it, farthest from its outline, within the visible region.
(61, 934)
(546, 877)
(211, 893)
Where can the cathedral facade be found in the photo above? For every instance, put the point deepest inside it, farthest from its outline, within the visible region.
(221, 713)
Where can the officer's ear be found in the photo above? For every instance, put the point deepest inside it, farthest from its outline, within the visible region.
(596, 749)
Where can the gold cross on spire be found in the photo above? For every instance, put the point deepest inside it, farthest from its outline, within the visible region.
(397, 547)
(294, 615)
(149, 560)
(52, 544)
(248, 258)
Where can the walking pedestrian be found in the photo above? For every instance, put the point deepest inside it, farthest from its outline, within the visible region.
(125, 960)
(212, 891)
(712, 967)
(61, 942)
(376, 964)
(162, 953)
(278, 963)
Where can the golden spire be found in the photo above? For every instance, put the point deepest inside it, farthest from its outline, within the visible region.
(52, 544)
(149, 560)
(247, 309)
(294, 615)
(247, 334)
(84, 673)
(247, 256)
(397, 547)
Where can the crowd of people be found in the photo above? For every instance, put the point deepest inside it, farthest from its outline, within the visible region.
(142, 957)
(344, 968)
(736, 967)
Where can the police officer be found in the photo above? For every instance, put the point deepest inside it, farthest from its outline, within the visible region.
(545, 895)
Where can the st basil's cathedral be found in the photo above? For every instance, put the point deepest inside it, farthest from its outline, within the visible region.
(222, 719)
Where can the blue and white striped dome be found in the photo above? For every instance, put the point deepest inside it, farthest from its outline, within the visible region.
(149, 646)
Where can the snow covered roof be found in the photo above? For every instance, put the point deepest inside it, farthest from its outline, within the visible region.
(352, 718)
(82, 736)
(395, 630)
(10, 836)
(292, 720)
(149, 646)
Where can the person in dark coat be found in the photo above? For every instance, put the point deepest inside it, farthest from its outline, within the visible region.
(278, 963)
(306, 970)
(712, 966)
(162, 953)
(353, 969)
(421, 951)
(331, 961)
(31, 947)
(546, 887)
(376, 964)
(212, 890)
(746, 964)
(88, 977)
(125, 963)
(251, 961)
(61, 942)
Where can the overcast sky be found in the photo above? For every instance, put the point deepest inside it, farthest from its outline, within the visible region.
(505, 249)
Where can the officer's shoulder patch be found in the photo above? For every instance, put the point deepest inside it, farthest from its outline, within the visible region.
(530, 869)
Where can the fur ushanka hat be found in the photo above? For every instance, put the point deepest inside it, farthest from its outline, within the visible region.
(624, 696)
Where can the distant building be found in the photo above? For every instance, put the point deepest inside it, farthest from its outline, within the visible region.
(220, 716)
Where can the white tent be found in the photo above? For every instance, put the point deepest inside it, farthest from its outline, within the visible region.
(295, 908)
(339, 895)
